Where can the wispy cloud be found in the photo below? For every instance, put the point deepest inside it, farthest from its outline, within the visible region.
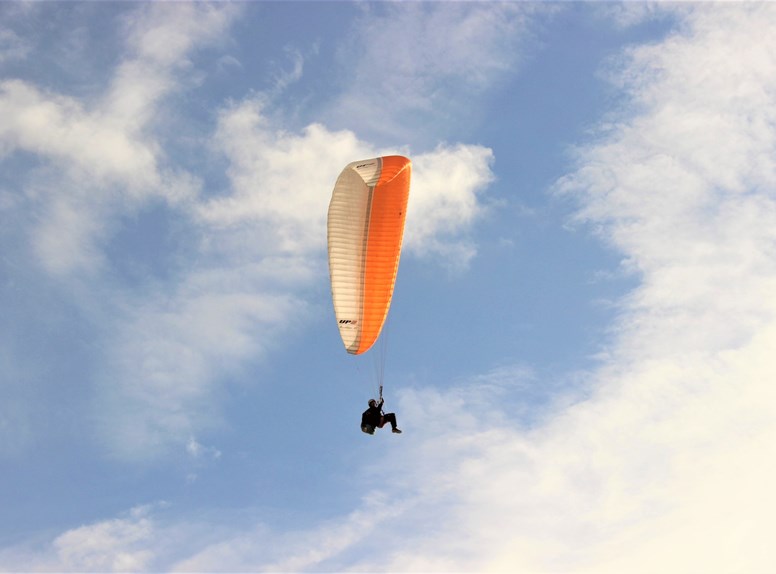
(417, 65)
(280, 181)
(117, 545)
(166, 363)
(12, 46)
(103, 155)
(77, 165)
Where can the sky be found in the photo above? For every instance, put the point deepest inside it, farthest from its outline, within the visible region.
(580, 345)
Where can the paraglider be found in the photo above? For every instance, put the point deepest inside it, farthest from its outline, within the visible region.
(365, 230)
(374, 417)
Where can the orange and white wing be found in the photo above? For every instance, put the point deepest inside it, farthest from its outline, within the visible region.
(365, 229)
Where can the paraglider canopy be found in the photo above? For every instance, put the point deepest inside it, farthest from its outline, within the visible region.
(365, 229)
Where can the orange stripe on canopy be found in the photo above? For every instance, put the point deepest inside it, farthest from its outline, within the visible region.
(386, 229)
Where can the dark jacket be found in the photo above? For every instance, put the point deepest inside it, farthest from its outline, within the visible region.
(372, 415)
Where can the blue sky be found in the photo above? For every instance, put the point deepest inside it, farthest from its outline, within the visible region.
(579, 349)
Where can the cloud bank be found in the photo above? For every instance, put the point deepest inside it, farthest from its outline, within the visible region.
(664, 464)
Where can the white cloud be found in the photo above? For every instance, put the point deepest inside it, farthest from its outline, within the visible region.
(167, 360)
(417, 64)
(278, 178)
(626, 14)
(686, 188)
(95, 171)
(283, 78)
(261, 550)
(445, 203)
(145, 539)
(122, 544)
(12, 47)
(284, 180)
(58, 127)
(102, 157)
(118, 545)
(160, 38)
(166, 33)
(198, 450)
(97, 161)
